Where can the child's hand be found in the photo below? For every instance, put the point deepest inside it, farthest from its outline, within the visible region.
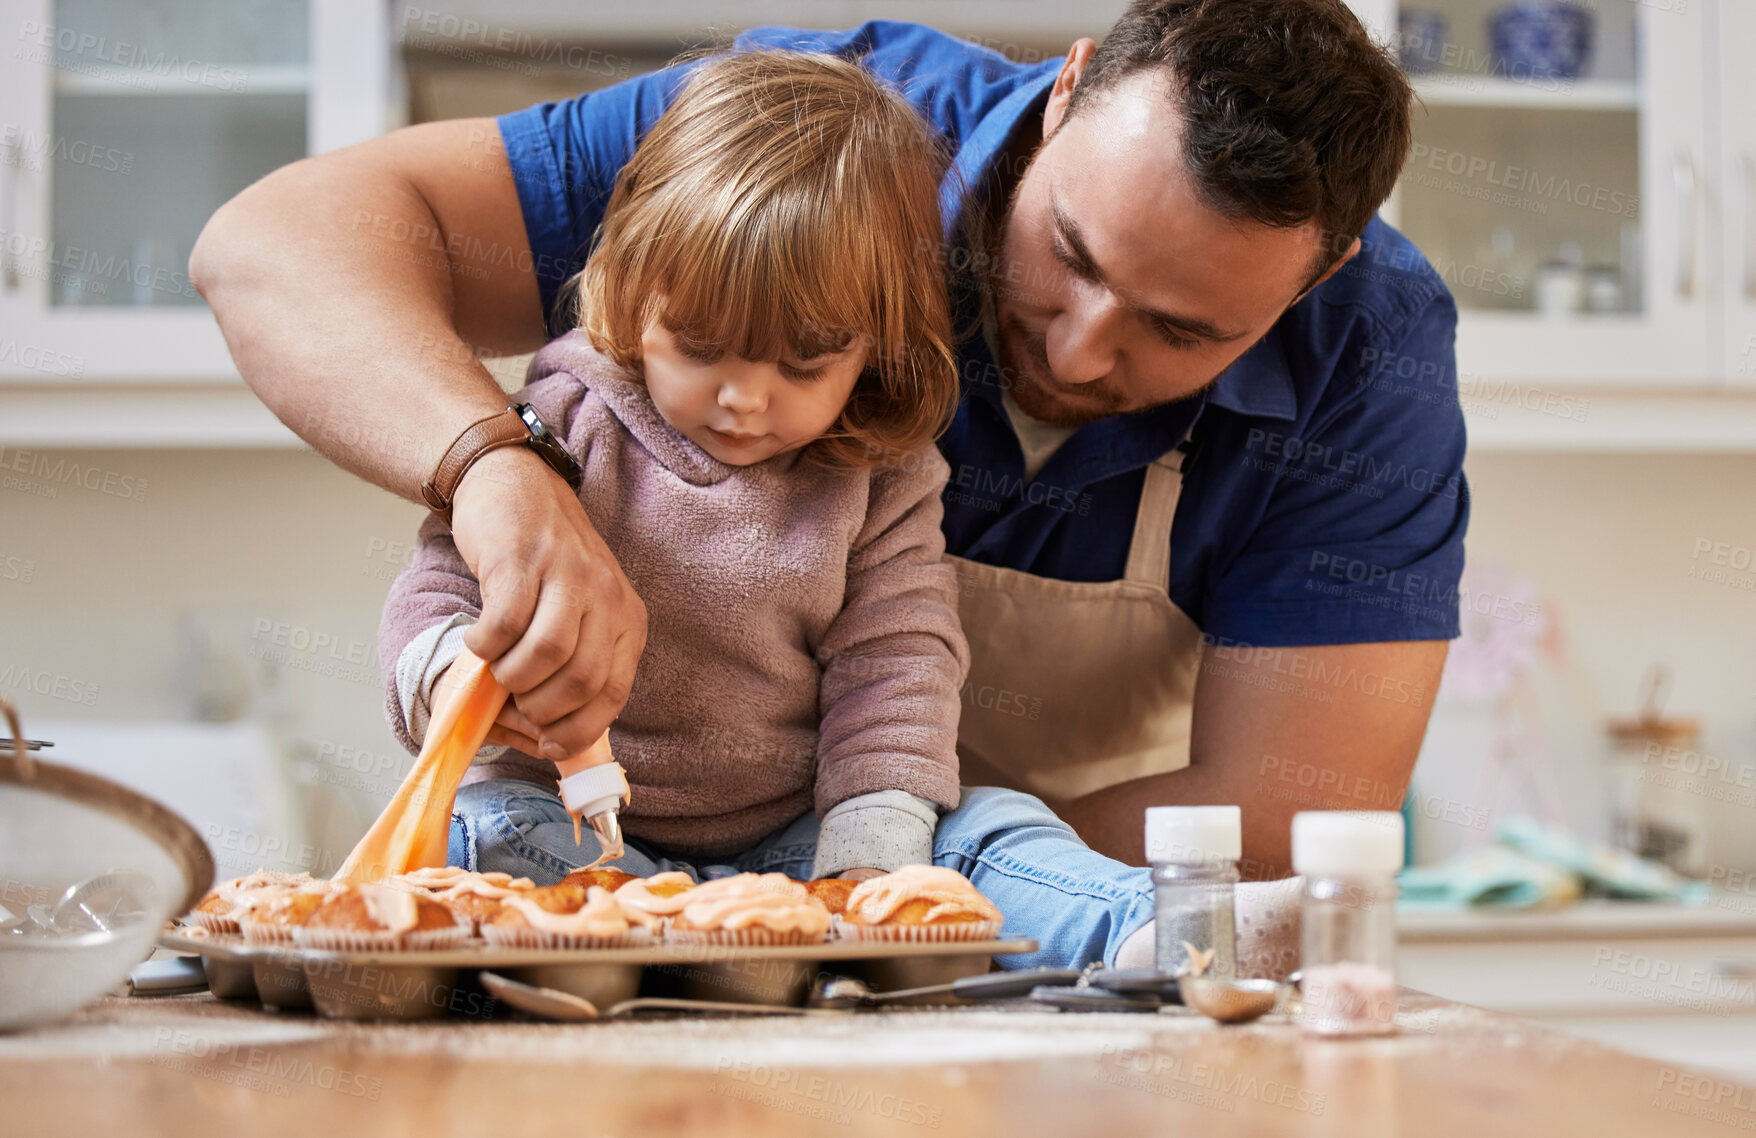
(860, 873)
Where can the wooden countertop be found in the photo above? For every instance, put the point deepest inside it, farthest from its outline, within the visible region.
(189, 1066)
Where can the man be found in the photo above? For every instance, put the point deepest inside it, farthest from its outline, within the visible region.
(1180, 309)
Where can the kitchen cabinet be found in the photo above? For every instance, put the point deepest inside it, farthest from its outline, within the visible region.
(1676, 983)
(1643, 169)
(126, 126)
(1735, 37)
(1574, 217)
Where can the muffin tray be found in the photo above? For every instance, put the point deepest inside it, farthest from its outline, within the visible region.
(434, 984)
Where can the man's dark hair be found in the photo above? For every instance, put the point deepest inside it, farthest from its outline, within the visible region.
(1290, 112)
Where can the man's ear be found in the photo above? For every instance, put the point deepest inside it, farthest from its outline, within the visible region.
(1352, 250)
(1062, 92)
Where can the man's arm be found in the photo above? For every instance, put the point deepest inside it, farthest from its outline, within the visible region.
(1280, 730)
(351, 288)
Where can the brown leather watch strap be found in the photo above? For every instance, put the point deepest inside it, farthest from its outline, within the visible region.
(480, 437)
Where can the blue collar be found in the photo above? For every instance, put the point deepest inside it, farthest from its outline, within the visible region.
(1259, 382)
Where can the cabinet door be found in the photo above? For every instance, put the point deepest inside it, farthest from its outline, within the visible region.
(1562, 193)
(1736, 34)
(127, 126)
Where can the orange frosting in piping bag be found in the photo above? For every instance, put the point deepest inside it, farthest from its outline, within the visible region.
(413, 830)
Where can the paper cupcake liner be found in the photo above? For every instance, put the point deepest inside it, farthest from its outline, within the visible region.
(741, 938)
(212, 922)
(921, 934)
(658, 930)
(359, 940)
(501, 936)
(258, 932)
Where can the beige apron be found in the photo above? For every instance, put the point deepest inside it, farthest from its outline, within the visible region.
(1076, 686)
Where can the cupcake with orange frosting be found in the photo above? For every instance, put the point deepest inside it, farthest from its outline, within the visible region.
(831, 892)
(562, 916)
(381, 917)
(603, 877)
(225, 903)
(477, 897)
(750, 909)
(652, 902)
(277, 910)
(919, 903)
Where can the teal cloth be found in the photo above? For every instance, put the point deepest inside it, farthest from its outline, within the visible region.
(1535, 866)
(1604, 867)
(1490, 877)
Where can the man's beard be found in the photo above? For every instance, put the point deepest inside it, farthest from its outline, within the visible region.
(1024, 362)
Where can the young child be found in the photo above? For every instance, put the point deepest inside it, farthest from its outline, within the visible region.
(763, 362)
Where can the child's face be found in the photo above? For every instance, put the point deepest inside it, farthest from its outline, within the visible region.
(744, 411)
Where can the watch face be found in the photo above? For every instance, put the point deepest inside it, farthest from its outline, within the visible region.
(538, 429)
(544, 442)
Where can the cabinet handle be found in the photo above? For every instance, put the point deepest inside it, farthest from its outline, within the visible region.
(1683, 178)
(10, 160)
(1750, 224)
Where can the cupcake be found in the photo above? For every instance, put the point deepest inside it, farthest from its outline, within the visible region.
(919, 903)
(278, 910)
(831, 892)
(750, 909)
(477, 897)
(603, 877)
(652, 901)
(219, 911)
(362, 917)
(561, 916)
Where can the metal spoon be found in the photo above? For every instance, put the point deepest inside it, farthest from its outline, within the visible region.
(1236, 1001)
(551, 1003)
(832, 991)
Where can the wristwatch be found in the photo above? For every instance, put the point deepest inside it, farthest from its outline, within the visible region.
(518, 424)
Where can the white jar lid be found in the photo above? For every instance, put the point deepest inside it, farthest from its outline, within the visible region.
(1342, 842)
(1181, 835)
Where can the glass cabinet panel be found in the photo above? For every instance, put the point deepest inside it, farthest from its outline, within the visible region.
(1524, 183)
(162, 110)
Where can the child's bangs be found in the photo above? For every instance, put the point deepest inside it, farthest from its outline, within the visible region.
(772, 283)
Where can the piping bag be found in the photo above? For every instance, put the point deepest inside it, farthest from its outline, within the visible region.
(415, 827)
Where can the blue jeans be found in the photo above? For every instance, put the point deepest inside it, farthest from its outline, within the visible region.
(1078, 905)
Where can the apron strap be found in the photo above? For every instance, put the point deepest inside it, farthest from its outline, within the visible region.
(1149, 553)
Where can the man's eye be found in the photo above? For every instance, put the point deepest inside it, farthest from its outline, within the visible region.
(1066, 257)
(1173, 338)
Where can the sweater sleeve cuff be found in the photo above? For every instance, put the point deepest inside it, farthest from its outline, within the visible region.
(417, 673)
(886, 830)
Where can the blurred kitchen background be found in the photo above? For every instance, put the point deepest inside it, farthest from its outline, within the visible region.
(189, 597)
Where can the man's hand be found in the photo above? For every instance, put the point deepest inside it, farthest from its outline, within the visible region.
(561, 626)
(861, 873)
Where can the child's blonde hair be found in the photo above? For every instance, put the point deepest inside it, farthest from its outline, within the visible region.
(787, 203)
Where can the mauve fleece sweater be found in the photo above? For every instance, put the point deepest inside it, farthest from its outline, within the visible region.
(803, 646)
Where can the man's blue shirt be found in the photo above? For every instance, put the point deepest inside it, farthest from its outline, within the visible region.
(1325, 502)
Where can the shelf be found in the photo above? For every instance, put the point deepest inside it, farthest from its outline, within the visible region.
(1508, 418)
(1536, 418)
(241, 79)
(1489, 91)
(139, 417)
